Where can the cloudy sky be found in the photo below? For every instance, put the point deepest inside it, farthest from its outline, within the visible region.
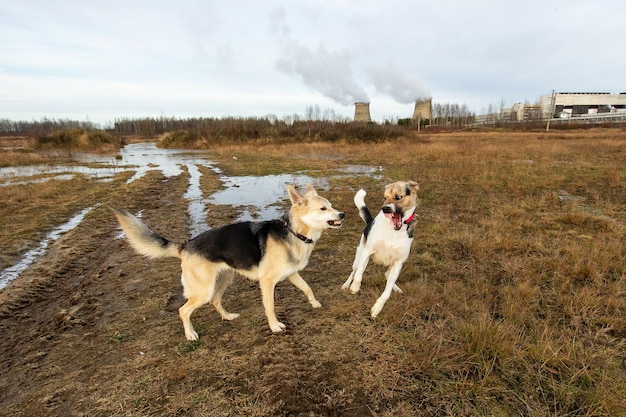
(98, 61)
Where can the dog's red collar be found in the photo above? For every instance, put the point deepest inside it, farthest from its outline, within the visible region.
(410, 219)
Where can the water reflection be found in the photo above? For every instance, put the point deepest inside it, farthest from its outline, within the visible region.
(139, 157)
(259, 198)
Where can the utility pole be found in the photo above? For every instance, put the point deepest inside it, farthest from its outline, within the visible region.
(551, 111)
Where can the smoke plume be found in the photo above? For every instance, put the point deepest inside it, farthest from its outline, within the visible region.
(332, 72)
(391, 81)
(328, 72)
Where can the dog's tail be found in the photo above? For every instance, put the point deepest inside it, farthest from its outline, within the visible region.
(359, 202)
(143, 240)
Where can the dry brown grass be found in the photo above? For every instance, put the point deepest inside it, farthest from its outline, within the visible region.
(515, 299)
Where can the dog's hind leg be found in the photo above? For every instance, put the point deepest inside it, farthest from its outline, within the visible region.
(185, 312)
(223, 281)
(267, 292)
(392, 275)
(301, 284)
(198, 280)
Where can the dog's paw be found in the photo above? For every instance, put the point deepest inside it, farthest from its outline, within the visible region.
(346, 284)
(230, 316)
(278, 327)
(377, 308)
(355, 287)
(315, 304)
(192, 336)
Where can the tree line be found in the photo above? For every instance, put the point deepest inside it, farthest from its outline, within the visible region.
(323, 124)
(43, 126)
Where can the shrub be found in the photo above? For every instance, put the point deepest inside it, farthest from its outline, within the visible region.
(61, 139)
(75, 139)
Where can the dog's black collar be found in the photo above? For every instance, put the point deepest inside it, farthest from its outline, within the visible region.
(299, 236)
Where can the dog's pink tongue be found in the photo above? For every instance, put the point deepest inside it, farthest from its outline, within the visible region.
(396, 219)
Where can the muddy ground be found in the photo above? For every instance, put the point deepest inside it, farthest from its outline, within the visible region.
(92, 328)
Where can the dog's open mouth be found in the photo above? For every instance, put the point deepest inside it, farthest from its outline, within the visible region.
(335, 223)
(396, 219)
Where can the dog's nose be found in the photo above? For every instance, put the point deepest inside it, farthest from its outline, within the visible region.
(387, 209)
(342, 215)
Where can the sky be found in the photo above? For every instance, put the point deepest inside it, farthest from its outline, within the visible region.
(100, 61)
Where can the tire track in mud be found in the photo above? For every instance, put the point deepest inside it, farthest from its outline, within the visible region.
(49, 314)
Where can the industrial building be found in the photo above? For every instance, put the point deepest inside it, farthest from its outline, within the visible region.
(423, 110)
(581, 104)
(362, 112)
(594, 107)
(566, 105)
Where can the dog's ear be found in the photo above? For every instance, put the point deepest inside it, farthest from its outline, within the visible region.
(310, 189)
(294, 195)
(414, 186)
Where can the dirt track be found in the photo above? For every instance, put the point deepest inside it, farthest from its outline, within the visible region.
(87, 331)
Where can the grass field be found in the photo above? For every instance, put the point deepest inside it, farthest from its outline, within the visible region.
(514, 294)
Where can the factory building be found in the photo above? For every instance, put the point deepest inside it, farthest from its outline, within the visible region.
(566, 105)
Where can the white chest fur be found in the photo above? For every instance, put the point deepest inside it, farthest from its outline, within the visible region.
(386, 244)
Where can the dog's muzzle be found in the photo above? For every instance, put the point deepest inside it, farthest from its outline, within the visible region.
(394, 216)
(337, 223)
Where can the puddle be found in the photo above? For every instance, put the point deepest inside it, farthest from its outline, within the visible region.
(145, 157)
(197, 206)
(139, 157)
(259, 198)
(32, 255)
(37, 174)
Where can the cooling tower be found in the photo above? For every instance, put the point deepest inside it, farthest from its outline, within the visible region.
(423, 109)
(362, 112)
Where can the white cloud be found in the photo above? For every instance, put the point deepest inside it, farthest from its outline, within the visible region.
(249, 58)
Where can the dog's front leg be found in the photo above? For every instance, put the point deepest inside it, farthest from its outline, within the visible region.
(358, 260)
(301, 284)
(392, 276)
(267, 293)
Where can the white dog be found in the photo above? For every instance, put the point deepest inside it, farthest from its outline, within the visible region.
(387, 238)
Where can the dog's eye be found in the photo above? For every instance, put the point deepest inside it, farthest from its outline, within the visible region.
(398, 197)
(323, 208)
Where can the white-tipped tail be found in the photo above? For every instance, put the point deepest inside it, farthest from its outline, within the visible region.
(143, 240)
(359, 201)
(359, 198)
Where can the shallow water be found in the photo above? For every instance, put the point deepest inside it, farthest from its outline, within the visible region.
(138, 157)
(12, 272)
(258, 198)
